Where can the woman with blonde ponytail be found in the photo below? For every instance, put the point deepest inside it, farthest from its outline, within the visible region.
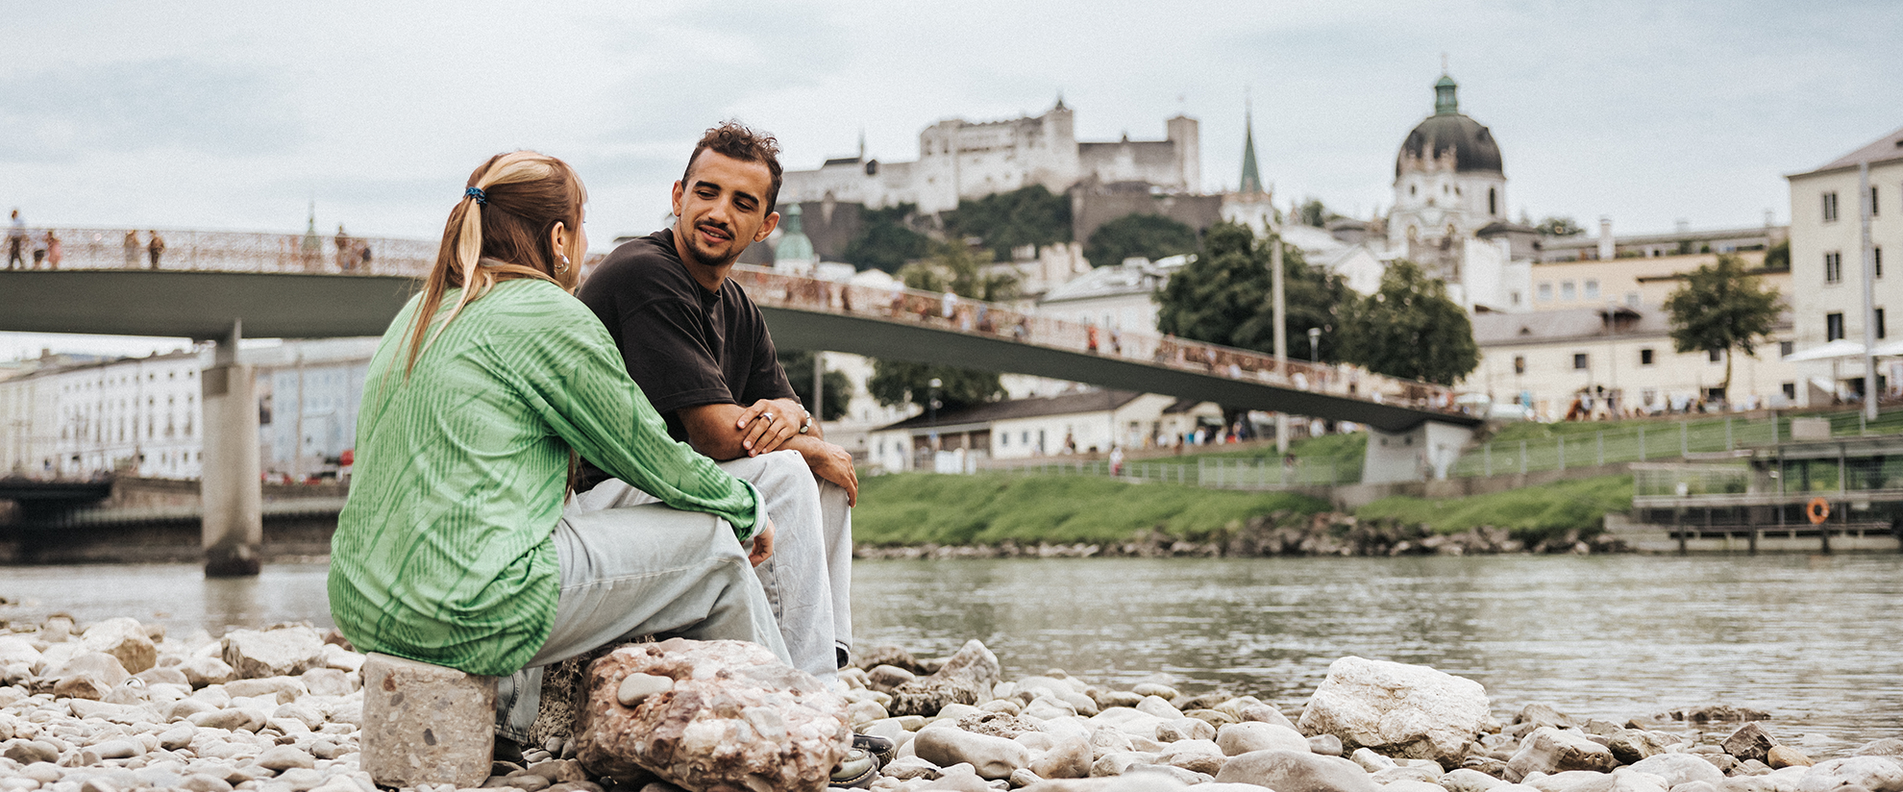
(453, 548)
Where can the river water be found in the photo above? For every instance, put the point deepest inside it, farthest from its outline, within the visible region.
(1811, 639)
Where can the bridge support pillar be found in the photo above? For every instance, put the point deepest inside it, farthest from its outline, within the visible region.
(1424, 452)
(233, 498)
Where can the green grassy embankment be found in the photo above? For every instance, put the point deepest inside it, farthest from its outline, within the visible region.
(1530, 514)
(920, 508)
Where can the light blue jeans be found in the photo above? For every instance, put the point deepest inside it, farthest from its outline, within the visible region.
(628, 572)
(808, 581)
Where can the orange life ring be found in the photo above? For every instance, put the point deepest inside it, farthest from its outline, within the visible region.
(1819, 510)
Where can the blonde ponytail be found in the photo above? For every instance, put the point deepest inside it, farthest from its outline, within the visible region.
(498, 232)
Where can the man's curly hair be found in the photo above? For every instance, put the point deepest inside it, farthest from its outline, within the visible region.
(736, 140)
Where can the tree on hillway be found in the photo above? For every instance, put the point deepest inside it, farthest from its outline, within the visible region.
(1720, 308)
(1026, 216)
(1222, 296)
(1409, 328)
(1314, 213)
(886, 242)
(1777, 258)
(799, 373)
(1150, 236)
(1555, 225)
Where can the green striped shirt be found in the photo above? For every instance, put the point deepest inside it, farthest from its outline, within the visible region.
(443, 551)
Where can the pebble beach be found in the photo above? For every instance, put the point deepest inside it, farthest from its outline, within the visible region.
(117, 705)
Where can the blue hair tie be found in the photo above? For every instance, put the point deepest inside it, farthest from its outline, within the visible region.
(477, 193)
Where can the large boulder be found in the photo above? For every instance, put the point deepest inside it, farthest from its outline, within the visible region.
(1397, 709)
(992, 757)
(1550, 750)
(285, 651)
(1750, 741)
(707, 714)
(1680, 768)
(966, 678)
(125, 639)
(1875, 773)
(1292, 771)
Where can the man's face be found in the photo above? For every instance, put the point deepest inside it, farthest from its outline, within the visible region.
(722, 207)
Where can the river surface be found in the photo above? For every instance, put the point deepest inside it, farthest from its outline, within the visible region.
(1814, 640)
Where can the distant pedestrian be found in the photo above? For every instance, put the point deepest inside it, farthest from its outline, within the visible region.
(39, 255)
(55, 250)
(948, 305)
(1116, 460)
(345, 260)
(1116, 341)
(16, 242)
(1090, 337)
(364, 256)
(132, 249)
(155, 248)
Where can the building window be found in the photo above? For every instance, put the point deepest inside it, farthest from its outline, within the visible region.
(1645, 357)
(1833, 326)
(1513, 297)
(1567, 291)
(1519, 364)
(1546, 292)
(1833, 267)
(1632, 299)
(1648, 396)
(1592, 289)
(1790, 390)
(1873, 200)
(1785, 348)
(1493, 200)
(1716, 355)
(1579, 360)
(1830, 207)
(1876, 262)
(1879, 322)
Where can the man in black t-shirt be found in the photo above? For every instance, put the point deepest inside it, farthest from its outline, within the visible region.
(700, 350)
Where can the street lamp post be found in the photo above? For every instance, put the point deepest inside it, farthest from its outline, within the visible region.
(931, 411)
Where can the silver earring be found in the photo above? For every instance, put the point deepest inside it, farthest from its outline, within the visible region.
(562, 267)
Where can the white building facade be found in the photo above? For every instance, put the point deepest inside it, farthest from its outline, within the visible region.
(1828, 262)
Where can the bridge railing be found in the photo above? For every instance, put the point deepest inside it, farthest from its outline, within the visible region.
(1002, 321)
(231, 251)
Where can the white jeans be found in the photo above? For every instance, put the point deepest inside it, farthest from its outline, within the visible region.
(642, 570)
(808, 581)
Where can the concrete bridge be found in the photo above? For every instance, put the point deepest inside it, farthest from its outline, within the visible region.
(221, 286)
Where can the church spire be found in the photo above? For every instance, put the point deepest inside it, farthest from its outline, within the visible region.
(1251, 177)
(1444, 101)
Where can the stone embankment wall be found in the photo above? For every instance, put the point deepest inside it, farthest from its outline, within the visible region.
(1281, 534)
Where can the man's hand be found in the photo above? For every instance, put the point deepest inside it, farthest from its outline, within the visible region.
(833, 464)
(761, 548)
(768, 424)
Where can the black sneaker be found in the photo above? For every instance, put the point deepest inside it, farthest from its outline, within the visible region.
(863, 761)
(508, 750)
(881, 748)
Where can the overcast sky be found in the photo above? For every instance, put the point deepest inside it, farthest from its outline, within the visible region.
(238, 115)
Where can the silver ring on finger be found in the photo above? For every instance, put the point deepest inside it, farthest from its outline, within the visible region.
(769, 416)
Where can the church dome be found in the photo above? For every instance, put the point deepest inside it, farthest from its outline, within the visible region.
(1447, 129)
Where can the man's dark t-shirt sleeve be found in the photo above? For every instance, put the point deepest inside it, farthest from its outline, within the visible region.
(651, 311)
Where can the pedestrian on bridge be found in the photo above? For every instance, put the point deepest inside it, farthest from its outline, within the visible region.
(55, 250)
(156, 248)
(132, 249)
(16, 242)
(453, 548)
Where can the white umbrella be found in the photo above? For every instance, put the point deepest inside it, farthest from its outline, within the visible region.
(1889, 349)
(1840, 348)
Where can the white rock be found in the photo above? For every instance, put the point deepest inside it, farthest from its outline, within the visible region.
(1398, 709)
(286, 651)
(1240, 738)
(14, 649)
(990, 757)
(1875, 773)
(125, 639)
(1679, 768)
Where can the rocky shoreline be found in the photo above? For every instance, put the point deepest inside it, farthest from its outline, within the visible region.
(117, 705)
(1279, 534)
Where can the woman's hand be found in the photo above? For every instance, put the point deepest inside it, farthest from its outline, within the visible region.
(762, 547)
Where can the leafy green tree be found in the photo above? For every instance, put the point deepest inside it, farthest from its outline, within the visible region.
(1026, 216)
(1314, 213)
(838, 386)
(886, 242)
(960, 270)
(1409, 328)
(899, 381)
(1720, 308)
(1223, 296)
(1150, 236)
(1555, 225)
(1777, 258)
